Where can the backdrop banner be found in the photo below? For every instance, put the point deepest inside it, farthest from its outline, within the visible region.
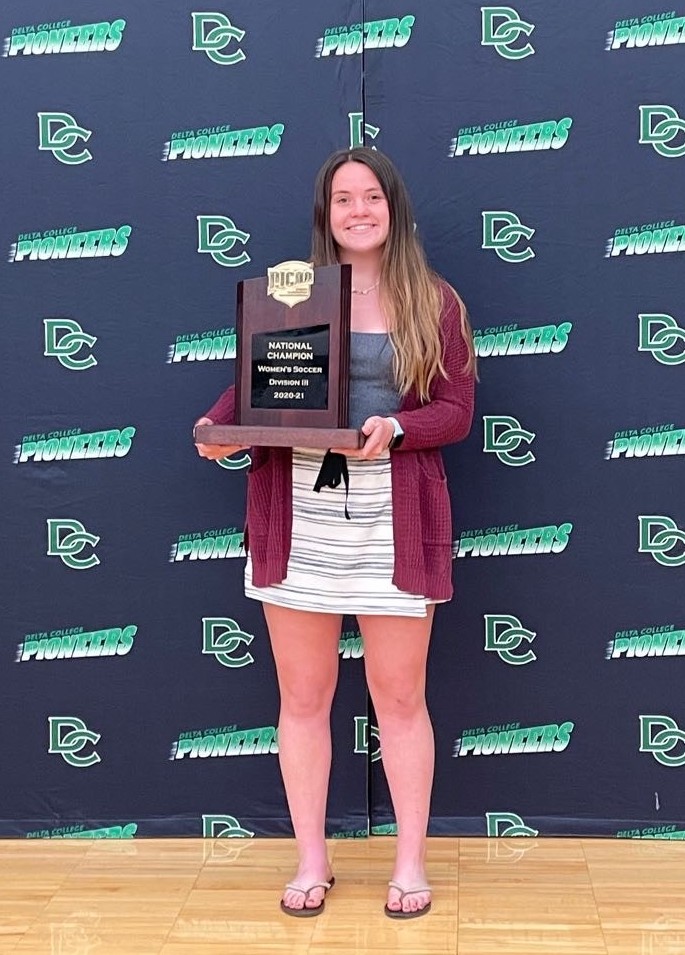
(157, 157)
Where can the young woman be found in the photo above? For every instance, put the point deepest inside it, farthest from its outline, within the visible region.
(412, 374)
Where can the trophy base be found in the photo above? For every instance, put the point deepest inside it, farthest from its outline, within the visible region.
(252, 435)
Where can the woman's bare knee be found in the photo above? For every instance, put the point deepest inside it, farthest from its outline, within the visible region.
(303, 699)
(398, 700)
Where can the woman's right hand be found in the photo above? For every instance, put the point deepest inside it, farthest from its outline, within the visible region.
(215, 452)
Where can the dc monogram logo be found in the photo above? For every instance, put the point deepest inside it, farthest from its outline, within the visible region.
(502, 436)
(504, 238)
(658, 132)
(359, 130)
(64, 339)
(235, 464)
(659, 334)
(361, 737)
(223, 827)
(222, 637)
(661, 742)
(213, 39)
(502, 27)
(659, 543)
(217, 235)
(500, 824)
(66, 540)
(68, 736)
(59, 132)
(504, 634)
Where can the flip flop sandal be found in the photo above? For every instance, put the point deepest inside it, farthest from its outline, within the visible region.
(307, 912)
(398, 913)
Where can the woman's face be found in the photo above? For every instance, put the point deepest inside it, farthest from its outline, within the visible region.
(359, 212)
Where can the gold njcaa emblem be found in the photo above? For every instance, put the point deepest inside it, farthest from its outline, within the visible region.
(290, 282)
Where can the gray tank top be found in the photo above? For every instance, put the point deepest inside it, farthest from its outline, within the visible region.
(372, 384)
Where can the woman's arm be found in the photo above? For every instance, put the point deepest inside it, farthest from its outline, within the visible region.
(447, 417)
(223, 409)
(221, 412)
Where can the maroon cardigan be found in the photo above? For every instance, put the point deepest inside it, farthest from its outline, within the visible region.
(422, 521)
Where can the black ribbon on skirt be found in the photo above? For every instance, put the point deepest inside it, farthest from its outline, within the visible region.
(334, 470)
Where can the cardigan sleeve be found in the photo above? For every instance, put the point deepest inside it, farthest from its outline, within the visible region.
(447, 417)
(223, 409)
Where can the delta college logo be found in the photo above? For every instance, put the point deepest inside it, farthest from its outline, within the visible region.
(505, 824)
(59, 132)
(504, 634)
(217, 235)
(503, 435)
(658, 335)
(359, 130)
(66, 540)
(501, 28)
(235, 464)
(362, 731)
(660, 542)
(504, 238)
(658, 126)
(221, 637)
(64, 339)
(68, 736)
(223, 827)
(661, 742)
(212, 33)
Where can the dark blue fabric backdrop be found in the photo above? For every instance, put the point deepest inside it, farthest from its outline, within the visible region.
(134, 671)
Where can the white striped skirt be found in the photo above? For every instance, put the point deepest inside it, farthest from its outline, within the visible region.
(338, 565)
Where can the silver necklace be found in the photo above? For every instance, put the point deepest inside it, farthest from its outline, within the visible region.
(365, 291)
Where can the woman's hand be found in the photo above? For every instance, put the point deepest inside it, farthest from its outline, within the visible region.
(379, 433)
(215, 452)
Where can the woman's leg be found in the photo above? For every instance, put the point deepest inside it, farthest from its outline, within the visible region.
(305, 648)
(395, 653)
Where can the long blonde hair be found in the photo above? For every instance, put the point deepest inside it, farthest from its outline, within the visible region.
(411, 293)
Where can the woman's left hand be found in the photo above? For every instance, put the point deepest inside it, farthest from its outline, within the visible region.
(379, 433)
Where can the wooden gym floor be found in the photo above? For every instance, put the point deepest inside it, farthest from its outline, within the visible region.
(217, 897)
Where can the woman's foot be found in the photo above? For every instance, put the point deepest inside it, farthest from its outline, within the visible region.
(307, 890)
(409, 895)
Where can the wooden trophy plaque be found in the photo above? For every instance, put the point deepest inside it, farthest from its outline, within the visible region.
(292, 362)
